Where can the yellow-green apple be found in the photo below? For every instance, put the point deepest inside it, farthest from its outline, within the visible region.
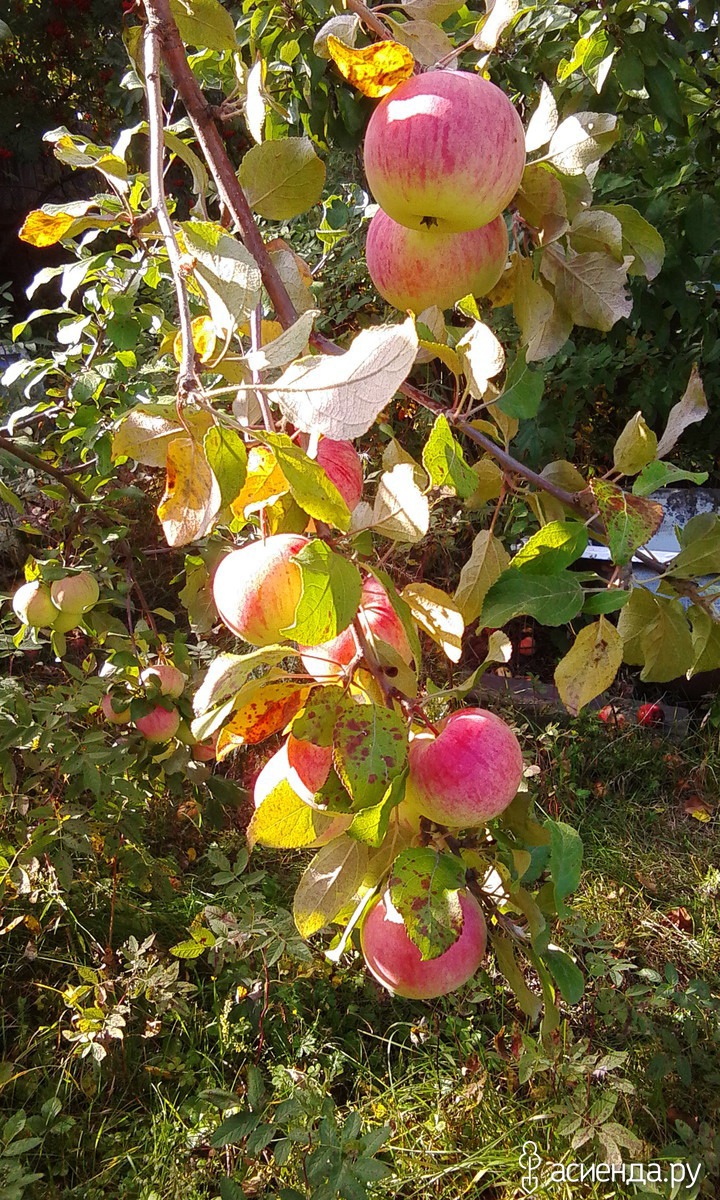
(305, 768)
(257, 588)
(75, 593)
(378, 619)
(444, 149)
(114, 717)
(467, 774)
(159, 725)
(167, 678)
(341, 463)
(396, 962)
(65, 621)
(415, 268)
(32, 605)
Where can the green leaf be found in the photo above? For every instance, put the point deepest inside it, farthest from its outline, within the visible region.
(9, 497)
(656, 636)
(640, 239)
(226, 271)
(444, 461)
(488, 559)
(205, 24)
(331, 589)
(566, 974)
(660, 474)
(630, 521)
(663, 91)
(566, 854)
(636, 446)
(282, 179)
(233, 1130)
(187, 950)
(370, 745)
(553, 548)
(523, 391)
(529, 1002)
(226, 454)
(424, 887)
(123, 332)
(329, 884)
(316, 721)
(550, 599)
(607, 601)
(700, 553)
(371, 824)
(310, 486)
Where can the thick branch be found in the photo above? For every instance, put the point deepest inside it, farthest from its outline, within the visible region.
(188, 382)
(39, 464)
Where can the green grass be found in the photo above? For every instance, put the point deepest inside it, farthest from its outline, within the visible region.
(461, 1084)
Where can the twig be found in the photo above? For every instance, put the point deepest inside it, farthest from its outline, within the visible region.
(256, 343)
(39, 465)
(368, 18)
(188, 382)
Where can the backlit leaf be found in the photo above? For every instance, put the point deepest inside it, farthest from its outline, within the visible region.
(636, 446)
(329, 884)
(438, 614)
(425, 889)
(227, 457)
(488, 560)
(313, 490)
(590, 665)
(204, 23)
(444, 461)
(331, 588)
(401, 511)
(370, 749)
(375, 70)
(192, 499)
(266, 707)
(690, 409)
(284, 821)
(630, 521)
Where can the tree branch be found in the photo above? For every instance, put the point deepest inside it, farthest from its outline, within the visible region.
(368, 18)
(44, 468)
(188, 382)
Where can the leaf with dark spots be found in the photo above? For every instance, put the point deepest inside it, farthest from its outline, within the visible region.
(424, 887)
(369, 751)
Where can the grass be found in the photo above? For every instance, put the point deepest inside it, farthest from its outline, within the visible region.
(460, 1084)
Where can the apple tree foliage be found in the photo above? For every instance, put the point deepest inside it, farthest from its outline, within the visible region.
(189, 343)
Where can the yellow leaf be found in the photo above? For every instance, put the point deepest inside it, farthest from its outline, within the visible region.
(192, 497)
(45, 229)
(268, 709)
(590, 665)
(438, 614)
(375, 70)
(263, 482)
(269, 329)
(204, 340)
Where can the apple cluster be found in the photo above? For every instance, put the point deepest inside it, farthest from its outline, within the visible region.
(461, 774)
(444, 155)
(60, 606)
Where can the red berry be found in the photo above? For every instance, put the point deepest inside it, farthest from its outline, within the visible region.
(650, 714)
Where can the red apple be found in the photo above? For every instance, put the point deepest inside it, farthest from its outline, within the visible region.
(159, 725)
(395, 960)
(115, 718)
(377, 618)
(650, 714)
(609, 715)
(169, 679)
(305, 768)
(257, 588)
(415, 268)
(341, 463)
(205, 751)
(445, 149)
(32, 605)
(467, 774)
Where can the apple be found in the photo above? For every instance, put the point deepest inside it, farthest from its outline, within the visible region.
(467, 774)
(257, 588)
(169, 679)
(66, 621)
(305, 767)
(159, 725)
(32, 605)
(650, 714)
(341, 463)
(115, 718)
(415, 268)
(205, 751)
(444, 149)
(395, 960)
(378, 619)
(75, 593)
(609, 715)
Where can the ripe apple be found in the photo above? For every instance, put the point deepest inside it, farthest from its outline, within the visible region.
(445, 149)
(32, 605)
(415, 268)
(377, 618)
(467, 774)
(395, 960)
(169, 679)
(341, 463)
(650, 714)
(257, 588)
(159, 725)
(305, 767)
(115, 718)
(75, 593)
(205, 751)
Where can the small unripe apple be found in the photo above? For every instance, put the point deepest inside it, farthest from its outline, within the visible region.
(377, 618)
(416, 268)
(257, 588)
(32, 605)
(66, 621)
(396, 962)
(169, 679)
(445, 149)
(341, 463)
(650, 714)
(75, 593)
(115, 718)
(306, 775)
(205, 751)
(159, 725)
(467, 774)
